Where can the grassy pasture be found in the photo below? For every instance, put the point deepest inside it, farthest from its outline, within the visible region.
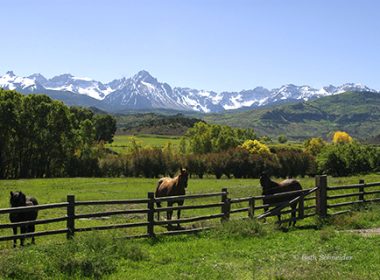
(121, 143)
(237, 250)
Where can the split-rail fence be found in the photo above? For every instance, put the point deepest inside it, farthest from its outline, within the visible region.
(311, 202)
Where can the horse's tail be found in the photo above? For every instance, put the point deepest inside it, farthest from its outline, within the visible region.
(157, 194)
(32, 214)
(33, 200)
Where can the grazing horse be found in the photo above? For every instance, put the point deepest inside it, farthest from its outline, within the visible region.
(270, 187)
(18, 199)
(172, 187)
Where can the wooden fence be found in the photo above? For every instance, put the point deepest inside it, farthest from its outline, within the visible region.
(362, 193)
(310, 202)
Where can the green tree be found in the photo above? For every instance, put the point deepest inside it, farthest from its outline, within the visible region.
(105, 128)
(40, 137)
(314, 145)
(282, 139)
(205, 138)
(346, 159)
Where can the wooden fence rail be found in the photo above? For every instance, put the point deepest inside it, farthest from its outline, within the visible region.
(360, 191)
(317, 199)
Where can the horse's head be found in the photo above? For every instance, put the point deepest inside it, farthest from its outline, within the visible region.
(264, 179)
(18, 199)
(183, 177)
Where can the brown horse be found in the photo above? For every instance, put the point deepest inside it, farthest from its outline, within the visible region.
(270, 187)
(18, 199)
(172, 187)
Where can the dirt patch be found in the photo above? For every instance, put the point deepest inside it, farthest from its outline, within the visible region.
(365, 232)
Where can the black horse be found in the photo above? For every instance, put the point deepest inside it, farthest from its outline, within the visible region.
(18, 199)
(270, 187)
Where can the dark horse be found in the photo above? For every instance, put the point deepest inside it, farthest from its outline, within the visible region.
(172, 187)
(18, 199)
(270, 187)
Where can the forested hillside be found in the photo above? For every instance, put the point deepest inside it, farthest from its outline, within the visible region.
(152, 123)
(356, 113)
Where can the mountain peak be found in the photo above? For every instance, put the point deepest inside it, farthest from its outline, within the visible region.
(144, 76)
(38, 78)
(11, 74)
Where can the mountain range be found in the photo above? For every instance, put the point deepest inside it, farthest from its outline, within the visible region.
(354, 112)
(144, 92)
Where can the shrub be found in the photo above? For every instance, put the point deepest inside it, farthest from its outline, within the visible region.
(196, 164)
(282, 139)
(314, 145)
(346, 159)
(295, 162)
(148, 162)
(112, 166)
(255, 147)
(341, 137)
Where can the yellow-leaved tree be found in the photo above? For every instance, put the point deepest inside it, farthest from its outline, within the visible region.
(255, 147)
(341, 137)
(314, 145)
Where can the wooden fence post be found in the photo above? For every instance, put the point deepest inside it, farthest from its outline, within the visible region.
(361, 189)
(321, 195)
(70, 216)
(150, 228)
(251, 211)
(226, 207)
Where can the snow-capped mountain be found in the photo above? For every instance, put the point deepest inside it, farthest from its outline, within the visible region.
(80, 85)
(13, 82)
(144, 92)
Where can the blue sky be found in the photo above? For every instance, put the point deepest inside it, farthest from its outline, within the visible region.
(204, 44)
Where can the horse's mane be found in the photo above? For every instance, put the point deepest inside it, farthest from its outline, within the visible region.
(267, 183)
(271, 187)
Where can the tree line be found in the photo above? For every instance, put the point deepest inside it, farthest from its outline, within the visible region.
(41, 137)
(224, 151)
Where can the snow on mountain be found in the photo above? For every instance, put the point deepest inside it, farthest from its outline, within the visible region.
(142, 91)
(13, 82)
(353, 87)
(199, 100)
(79, 85)
(37, 77)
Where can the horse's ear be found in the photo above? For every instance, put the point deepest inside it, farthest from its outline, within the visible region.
(11, 193)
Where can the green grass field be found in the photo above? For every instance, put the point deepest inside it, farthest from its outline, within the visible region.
(239, 249)
(121, 143)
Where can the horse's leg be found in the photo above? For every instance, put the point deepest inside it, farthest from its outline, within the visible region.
(294, 216)
(23, 230)
(14, 233)
(169, 213)
(265, 210)
(32, 229)
(180, 203)
(158, 212)
(279, 220)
